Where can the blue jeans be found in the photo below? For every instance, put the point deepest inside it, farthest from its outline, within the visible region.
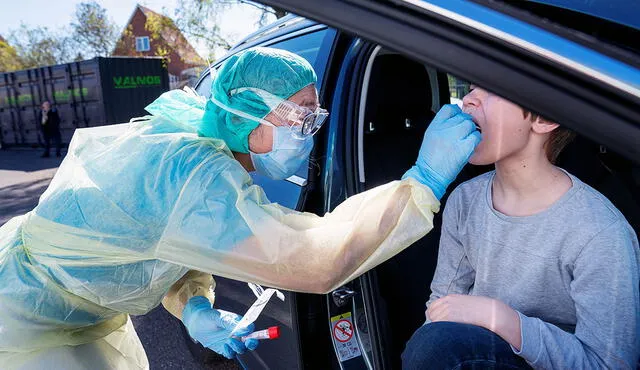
(449, 345)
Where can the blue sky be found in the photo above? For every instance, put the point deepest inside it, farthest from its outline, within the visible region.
(235, 23)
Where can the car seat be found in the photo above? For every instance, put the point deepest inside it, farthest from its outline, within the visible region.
(398, 110)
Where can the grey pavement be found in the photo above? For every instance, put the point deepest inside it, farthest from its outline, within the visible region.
(24, 176)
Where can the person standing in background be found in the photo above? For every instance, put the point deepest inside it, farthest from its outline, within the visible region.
(50, 125)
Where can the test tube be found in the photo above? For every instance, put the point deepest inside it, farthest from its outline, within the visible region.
(271, 333)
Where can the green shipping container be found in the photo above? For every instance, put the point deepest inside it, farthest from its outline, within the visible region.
(95, 92)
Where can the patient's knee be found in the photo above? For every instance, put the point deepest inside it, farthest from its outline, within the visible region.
(430, 342)
(441, 345)
(448, 345)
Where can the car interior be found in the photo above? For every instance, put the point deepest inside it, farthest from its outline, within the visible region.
(401, 99)
(394, 120)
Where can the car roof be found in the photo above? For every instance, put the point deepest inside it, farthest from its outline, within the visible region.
(625, 12)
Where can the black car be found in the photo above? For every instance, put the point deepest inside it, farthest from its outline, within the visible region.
(384, 69)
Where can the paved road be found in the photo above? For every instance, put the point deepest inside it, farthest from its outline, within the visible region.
(24, 176)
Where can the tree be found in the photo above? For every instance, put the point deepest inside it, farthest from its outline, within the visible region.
(163, 27)
(198, 19)
(94, 32)
(39, 46)
(9, 59)
(265, 10)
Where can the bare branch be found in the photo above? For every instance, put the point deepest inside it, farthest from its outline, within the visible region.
(263, 8)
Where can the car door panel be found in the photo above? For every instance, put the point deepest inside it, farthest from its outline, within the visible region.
(593, 94)
(236, 296)
(347, 344)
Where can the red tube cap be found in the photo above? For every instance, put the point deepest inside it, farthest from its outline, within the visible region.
(274, 332)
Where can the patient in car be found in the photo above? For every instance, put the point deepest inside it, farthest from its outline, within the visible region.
(535, 268)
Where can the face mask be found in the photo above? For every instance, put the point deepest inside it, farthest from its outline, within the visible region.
(286, 157)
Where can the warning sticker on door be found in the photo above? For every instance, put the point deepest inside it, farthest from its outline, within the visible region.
(343, 334)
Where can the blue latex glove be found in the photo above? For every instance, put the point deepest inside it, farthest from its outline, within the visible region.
(447, 146)
(213, 328)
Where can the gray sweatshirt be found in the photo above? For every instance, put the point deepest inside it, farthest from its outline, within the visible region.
(570, 271)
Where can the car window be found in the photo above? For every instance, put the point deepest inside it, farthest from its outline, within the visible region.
(309, 46)
(204, 87)
(458, 88)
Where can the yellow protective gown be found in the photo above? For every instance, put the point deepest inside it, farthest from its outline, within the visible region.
(133, 207)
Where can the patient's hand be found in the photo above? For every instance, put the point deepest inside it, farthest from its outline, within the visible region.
(486, 312)
(463, 309)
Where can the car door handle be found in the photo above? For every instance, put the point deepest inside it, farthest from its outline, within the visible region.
(342, 295)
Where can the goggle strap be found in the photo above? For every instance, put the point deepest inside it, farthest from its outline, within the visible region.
(270, 100)
(240, 113)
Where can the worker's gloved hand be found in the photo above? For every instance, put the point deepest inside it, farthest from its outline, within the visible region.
(213, 328)
(447, 146)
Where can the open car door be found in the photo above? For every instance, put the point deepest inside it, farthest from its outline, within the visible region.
(572, 78)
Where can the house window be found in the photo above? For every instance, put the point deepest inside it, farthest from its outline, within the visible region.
(142, 43)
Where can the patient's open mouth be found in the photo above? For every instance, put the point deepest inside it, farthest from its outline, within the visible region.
(476, 124)
(472, 118)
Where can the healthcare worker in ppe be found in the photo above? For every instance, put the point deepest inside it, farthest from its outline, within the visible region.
(149, 210)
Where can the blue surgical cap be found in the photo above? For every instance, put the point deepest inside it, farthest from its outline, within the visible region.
(277, 71)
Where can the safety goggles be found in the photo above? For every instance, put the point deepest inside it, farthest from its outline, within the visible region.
(302, 121)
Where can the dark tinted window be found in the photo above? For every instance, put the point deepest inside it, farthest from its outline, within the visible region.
(307, 45)
(203, 89)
